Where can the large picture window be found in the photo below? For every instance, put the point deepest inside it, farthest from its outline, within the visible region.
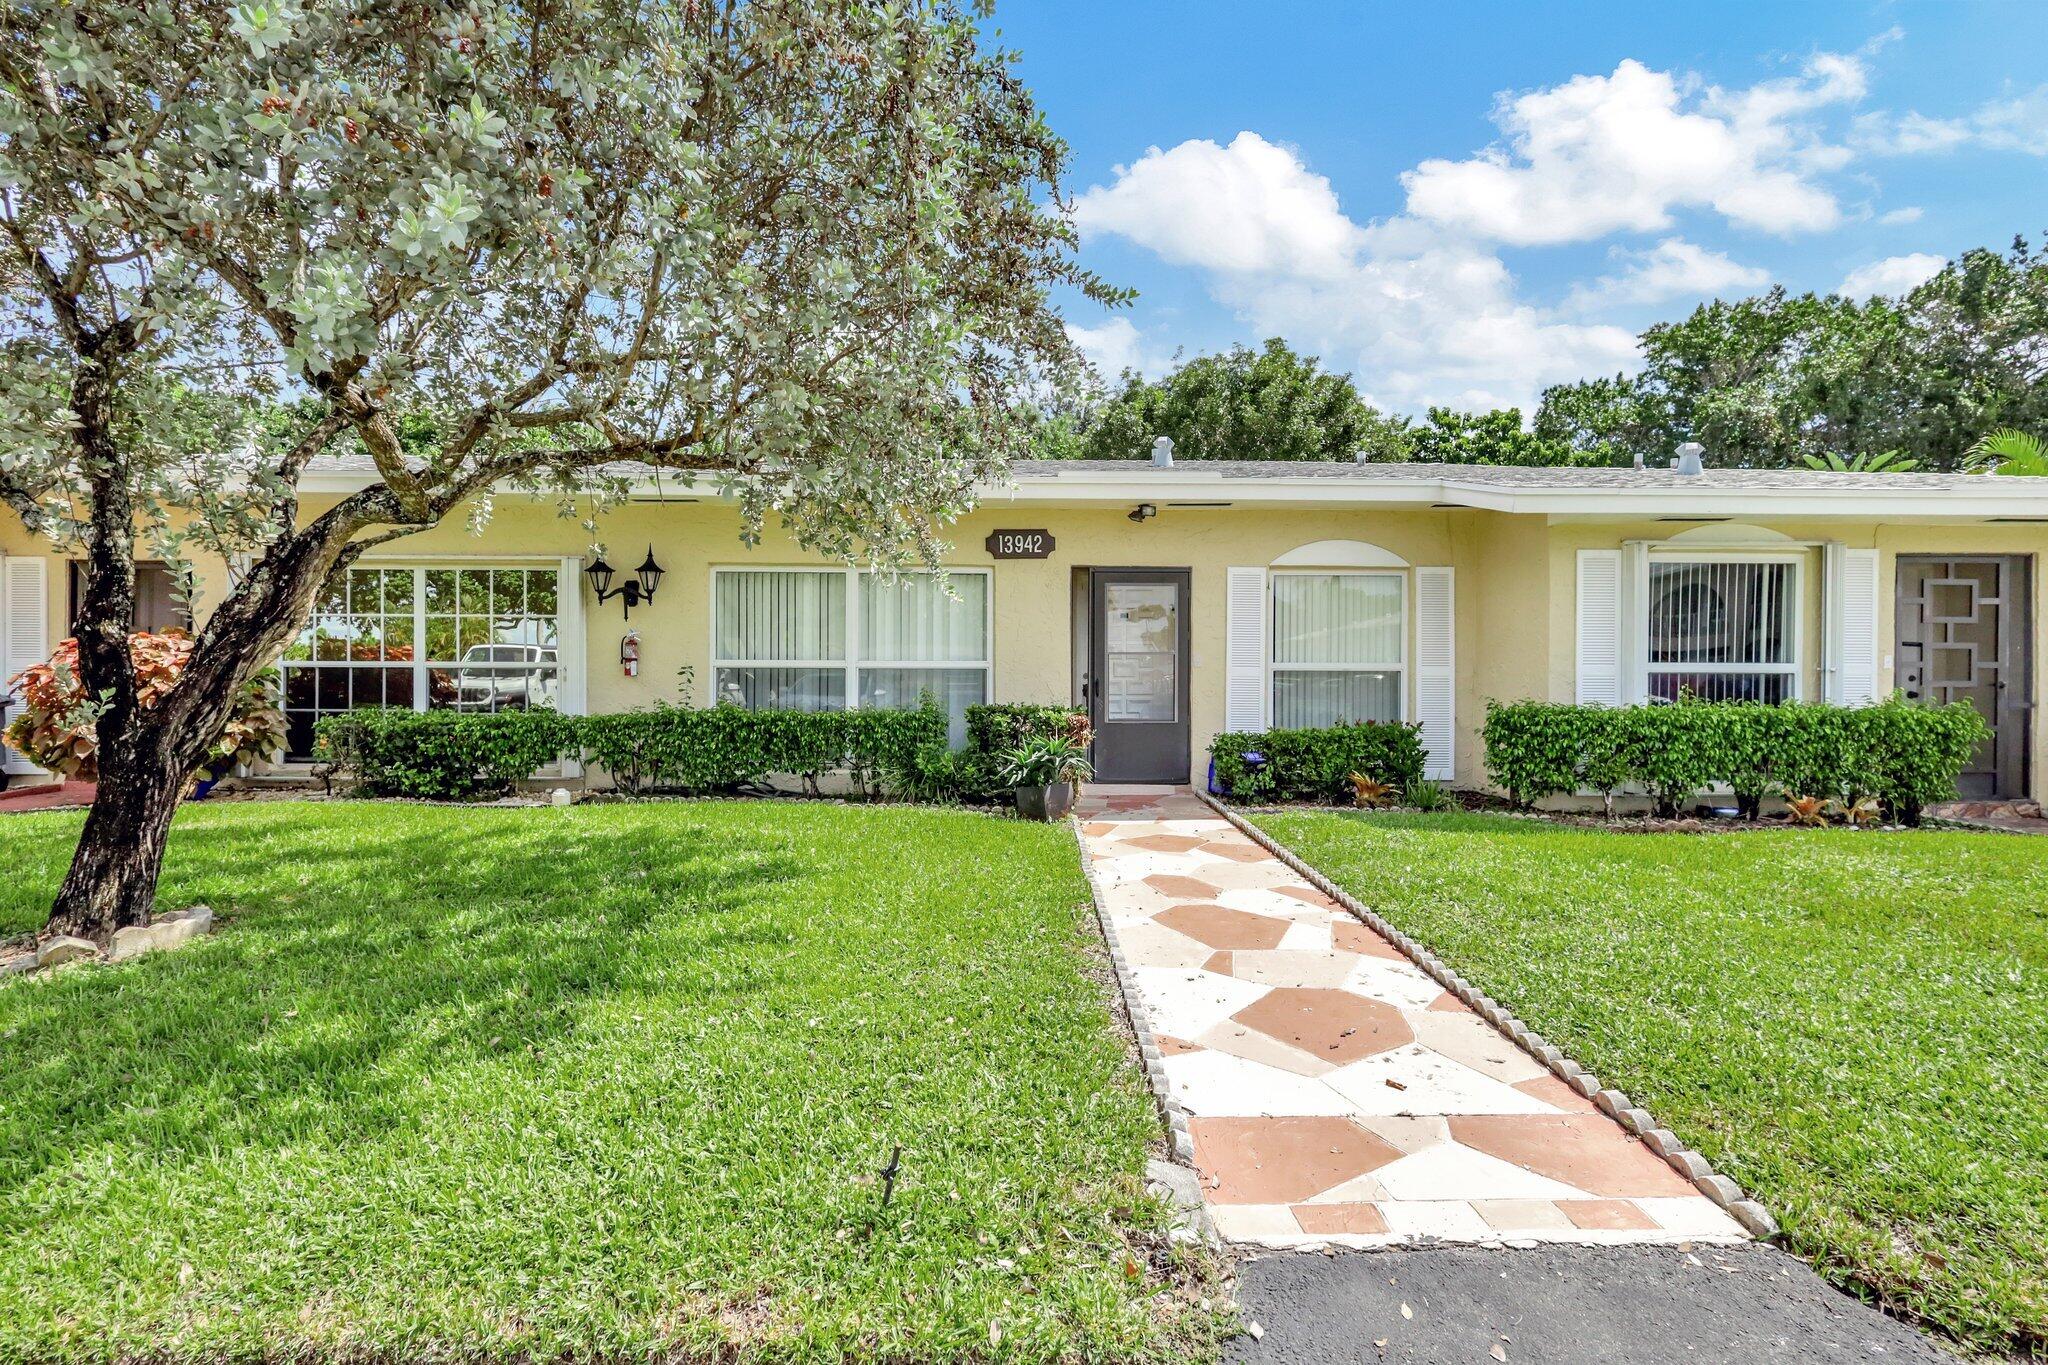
(1723, 629)
(1339, 648)
(821, 639)
(464, 639)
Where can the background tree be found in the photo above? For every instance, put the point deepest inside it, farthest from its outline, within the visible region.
(1785, 380)
(1497, 437)
(1268, 404)
(795, 245)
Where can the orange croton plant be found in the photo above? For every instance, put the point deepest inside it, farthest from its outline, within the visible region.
(56, 729)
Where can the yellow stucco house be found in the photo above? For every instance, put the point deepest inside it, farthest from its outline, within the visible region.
(1179, 600)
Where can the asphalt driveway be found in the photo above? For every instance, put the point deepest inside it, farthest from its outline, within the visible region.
(1559, 1305)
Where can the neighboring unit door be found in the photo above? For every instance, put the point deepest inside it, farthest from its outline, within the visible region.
(1964, 633)
(1138, 674)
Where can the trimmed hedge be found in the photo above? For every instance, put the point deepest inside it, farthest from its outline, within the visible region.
(1904, 755)
(444, 755)
(675, 748)
(1316, 765)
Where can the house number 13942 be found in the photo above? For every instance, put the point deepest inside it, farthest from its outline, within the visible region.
(1019, 544)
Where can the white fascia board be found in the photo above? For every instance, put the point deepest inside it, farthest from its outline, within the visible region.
(1092, 488)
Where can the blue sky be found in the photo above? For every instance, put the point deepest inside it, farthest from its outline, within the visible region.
(1462, 202)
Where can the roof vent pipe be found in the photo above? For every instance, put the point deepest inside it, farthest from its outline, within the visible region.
(1639, 457)
(1688, 461)
(1162, 452)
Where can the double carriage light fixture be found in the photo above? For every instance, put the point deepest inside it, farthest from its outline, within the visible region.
(637, 589)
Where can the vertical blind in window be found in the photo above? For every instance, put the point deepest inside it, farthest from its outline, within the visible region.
(785, 639)
(1722, 630)
(780, 636)
(1338, 648)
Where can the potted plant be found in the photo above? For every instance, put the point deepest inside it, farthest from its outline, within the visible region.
(1043, 772)
(57, 727)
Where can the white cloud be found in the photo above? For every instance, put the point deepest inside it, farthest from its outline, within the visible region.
(1892, 275)
(1116, 345)
(1673, 269)
(1430, 317)
(2017, 123)
(1602, 154)
(1912, 213)
(1251, 206)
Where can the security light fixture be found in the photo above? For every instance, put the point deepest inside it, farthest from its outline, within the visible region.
(640, 588)
(1144, 511)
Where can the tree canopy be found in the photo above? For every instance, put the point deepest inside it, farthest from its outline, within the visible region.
(1784, 379)
(802, 247)
(1268, 404)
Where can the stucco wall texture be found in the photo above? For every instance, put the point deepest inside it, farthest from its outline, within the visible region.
(1515, 599)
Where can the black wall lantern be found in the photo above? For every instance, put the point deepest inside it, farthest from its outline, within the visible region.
(640, 588)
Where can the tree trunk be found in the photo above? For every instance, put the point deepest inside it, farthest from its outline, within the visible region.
(112, 881)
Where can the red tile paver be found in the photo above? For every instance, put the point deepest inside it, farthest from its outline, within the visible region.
(1283, 1160)
(1339, 1218)
(1335, 1025)
(1221, 927)
(1185, 888)
(1349, 936)
(1557, 1094)
(1238, 851)
(1606, 1214)
(1589, 1152)
(1164, 843)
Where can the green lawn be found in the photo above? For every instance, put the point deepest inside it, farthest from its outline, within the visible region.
(1852, 1025)
(607, 1081)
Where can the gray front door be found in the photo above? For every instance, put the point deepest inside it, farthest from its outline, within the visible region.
(1138, 674)
(1964, 635)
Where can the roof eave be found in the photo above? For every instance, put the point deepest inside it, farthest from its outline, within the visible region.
(2010, 499)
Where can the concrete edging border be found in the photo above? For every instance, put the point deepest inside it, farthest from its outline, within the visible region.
(1753, 1216)
(1176, 1118)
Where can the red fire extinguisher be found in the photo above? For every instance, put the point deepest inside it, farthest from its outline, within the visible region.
(629, 653)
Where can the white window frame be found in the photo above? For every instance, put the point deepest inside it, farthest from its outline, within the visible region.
(1645, 669)
(1274, 667)
(853, 663)
(568, 697)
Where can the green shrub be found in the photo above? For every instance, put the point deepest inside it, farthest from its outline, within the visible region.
(444, 755)
(995, 728)
(1316, 765)
(719, 748)
(1905, 756)
(1536, 749)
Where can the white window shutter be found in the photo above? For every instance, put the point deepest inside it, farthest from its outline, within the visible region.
(24, 590)
(1244, 689)
(1436, 684)
(1599, 628)
(1855, 598)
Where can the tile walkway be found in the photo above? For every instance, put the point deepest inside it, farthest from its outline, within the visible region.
(1336, 1094)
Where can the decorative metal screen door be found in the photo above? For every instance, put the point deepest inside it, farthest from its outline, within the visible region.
(1964, 635)
(1138, 674)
